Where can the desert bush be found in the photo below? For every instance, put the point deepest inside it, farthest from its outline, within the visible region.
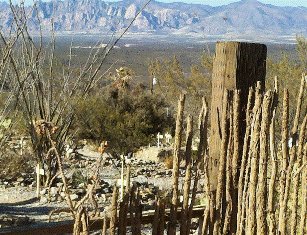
(13, 164)
(128, 120)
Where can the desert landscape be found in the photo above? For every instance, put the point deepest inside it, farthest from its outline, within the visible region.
(147, 117)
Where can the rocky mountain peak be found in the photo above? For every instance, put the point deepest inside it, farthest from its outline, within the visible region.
(243, 17)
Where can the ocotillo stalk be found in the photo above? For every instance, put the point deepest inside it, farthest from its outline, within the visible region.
(77, 223)
(222, 166)
(162, 217)
(104, 226)
(302, 228)
(294, 137)
(138, 214)
(187, 179)
(285, 157)
(202, 153)
(122, 158)
(128, 178)
(176, 161)
(261, 195)
(298, 110)
(64, 179)
(296, 178)
(155, 222)
(203, 133)
(113, 214)
(254, 154)
(243, 167)
(202, 158)
(122, 223)
(271, 211)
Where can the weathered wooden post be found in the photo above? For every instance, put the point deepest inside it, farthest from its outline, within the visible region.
(237, 65)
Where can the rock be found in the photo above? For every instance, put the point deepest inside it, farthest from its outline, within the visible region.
(53, 191)
(20, 179)
(107, 190)
(53, 199)
(82, 185)
(103, 198)
(59, 184)
(74, 197)
(43, 200)
(43, 191)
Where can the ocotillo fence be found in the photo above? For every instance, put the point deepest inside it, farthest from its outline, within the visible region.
(264, 193)
(267, 187)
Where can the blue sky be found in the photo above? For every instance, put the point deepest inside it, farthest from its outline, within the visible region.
(220, 2)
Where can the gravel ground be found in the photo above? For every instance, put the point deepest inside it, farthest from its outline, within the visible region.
(21, 201)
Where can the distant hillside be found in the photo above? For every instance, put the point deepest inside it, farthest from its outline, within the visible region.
(244, 17)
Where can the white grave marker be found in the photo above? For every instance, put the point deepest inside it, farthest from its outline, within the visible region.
(159, 137)
(168, 137)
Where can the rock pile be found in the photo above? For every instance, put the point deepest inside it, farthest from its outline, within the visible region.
(23, 180)
(57, 194)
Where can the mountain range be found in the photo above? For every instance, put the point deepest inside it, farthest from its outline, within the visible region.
(247, 17)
